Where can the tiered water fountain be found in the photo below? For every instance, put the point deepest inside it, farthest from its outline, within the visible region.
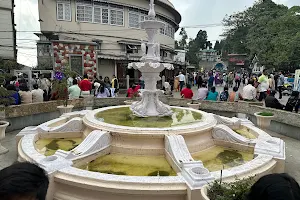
(147, 150)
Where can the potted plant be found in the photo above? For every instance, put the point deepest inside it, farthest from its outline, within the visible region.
(132, 99)
(194, 104)
(227, 191)
(5, 100)
(60, 91)
(264, 119)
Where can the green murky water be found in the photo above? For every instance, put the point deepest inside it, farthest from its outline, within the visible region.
(246, 133)
(120, 164)
(124, 117)
(215, 158)
(48, 147)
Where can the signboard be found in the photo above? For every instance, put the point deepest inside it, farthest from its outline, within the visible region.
(297, 80)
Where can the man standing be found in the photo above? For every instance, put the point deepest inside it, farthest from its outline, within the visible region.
(44, 84)
(200, 80)
(181, 80)
(280, 84)
(114, 86)
(263, 85)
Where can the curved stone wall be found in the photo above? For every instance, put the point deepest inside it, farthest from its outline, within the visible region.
(21, 116)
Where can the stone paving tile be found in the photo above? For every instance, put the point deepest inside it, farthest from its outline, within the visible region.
(9, 142)
(292, 159)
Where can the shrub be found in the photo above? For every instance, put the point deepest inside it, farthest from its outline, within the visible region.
(266, 114)
(230, 191)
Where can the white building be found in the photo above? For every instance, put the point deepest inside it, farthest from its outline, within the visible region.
(100, 37)
(7, 30)
(180, 56)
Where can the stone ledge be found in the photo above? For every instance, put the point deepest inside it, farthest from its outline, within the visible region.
(233, 107)
(37, 108)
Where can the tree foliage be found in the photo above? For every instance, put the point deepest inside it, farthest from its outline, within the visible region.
(218, 47)
(266, 29)
(8, 65)
(5, 96)
(200, 42)
(183, 42)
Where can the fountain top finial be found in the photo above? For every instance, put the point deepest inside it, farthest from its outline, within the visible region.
(151, 13)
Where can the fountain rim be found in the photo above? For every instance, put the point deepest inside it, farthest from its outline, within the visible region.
(208, 121)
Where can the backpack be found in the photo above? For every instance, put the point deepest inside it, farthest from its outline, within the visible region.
(237, 77)
(224, 96)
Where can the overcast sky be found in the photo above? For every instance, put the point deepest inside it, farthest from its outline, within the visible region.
(193, 12)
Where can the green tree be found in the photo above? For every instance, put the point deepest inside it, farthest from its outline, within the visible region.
(8, 65)
(218, 47)
(182, 43)
(200, 42)
(266, 29)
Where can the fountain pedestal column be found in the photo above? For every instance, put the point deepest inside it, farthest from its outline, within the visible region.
(150, 67)
(150, 105)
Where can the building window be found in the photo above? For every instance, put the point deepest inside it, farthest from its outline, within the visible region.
(134, 20)
(97, 14)
(63, 10)
(76, 64)
(135, 17)
(84, 13)
(131, 49)
(116, 17)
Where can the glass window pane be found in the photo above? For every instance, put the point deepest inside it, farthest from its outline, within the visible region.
(68, 12)
(76, 64)
(134, 20)
(97, 14)
(60, 11)
(104, 15)
(120, 17)
(113, 17)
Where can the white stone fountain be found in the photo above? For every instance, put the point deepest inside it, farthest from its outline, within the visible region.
(150, 67)
(178, 144)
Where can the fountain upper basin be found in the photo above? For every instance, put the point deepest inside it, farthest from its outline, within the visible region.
(194, 121)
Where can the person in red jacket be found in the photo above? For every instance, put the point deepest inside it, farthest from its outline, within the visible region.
(187, 92)
(85, 86)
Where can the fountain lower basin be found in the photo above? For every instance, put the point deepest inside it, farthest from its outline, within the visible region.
(88, 171)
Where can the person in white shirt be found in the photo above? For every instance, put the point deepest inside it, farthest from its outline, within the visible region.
(25, 94)
(181, 80)
(249, 91)
(37, 94)
(202, 92)
(44, 84)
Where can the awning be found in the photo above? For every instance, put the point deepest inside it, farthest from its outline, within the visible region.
(130, 42)
(118, 57)
(75, 42)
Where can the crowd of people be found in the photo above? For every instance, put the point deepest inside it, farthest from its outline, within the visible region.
(262, 87)
(77, 88)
